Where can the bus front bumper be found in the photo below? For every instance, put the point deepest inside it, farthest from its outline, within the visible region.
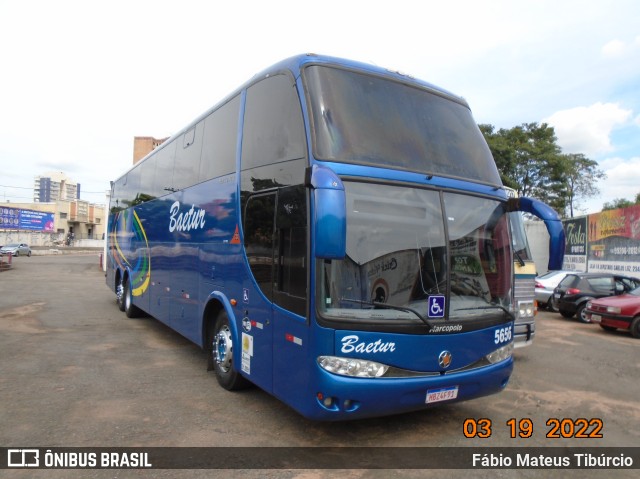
(339, 398)
(524, 334)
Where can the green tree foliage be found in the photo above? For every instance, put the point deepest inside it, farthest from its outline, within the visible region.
(530, 161)
(620, 203)
(582, 176)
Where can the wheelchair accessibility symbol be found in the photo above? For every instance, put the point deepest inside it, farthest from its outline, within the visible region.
(436, 306)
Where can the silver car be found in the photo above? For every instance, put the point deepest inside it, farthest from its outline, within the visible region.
(545, 285)
(16, 249)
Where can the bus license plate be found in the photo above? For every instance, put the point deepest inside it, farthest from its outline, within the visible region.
(442, 394)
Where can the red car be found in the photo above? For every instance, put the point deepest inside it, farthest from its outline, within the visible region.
(617, 312)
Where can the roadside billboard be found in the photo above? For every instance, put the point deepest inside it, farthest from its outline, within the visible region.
(21, 219)
(575, 253)
(614, 241)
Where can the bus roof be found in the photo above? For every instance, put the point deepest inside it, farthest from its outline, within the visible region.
(298, 62)
(295, 64)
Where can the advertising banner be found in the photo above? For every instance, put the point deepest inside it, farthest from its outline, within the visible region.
(20, 219)
(614, 241)
(575, 253)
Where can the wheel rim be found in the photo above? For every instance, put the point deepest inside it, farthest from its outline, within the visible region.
(583, 315)
(222, 348)
(119, 291)
(127, 299)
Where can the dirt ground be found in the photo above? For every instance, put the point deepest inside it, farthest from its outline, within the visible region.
(75, 372)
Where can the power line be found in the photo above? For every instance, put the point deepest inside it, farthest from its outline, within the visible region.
(17, 187)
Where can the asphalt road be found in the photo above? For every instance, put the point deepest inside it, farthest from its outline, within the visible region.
(75, 372)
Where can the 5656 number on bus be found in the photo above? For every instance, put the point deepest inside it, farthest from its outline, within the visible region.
(503, 335)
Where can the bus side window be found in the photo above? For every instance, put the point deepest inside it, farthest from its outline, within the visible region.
(273, 125)
(258, 239)
(220, 135)
(292, 260)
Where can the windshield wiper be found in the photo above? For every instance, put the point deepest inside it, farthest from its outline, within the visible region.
(389, 306)
(509, 314)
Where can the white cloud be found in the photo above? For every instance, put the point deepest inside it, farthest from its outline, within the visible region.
(623, 175)
(611, 163)
(588, 130)
(614, 48)
(617, 48)
(622, 182)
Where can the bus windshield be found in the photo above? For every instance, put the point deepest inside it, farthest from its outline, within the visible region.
(520, 242)
(407, 245)
(369, 120)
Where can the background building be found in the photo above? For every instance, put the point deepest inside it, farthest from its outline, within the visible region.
(143, 145)
(55, 186)
(56, 217)
(52, 224)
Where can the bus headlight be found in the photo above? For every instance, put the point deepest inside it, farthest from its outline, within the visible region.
(526, 309)
(358, 368)
(500, 354)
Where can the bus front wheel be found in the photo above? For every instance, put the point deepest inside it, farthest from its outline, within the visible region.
(220, 354)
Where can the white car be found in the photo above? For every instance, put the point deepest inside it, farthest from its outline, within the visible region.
(545, 284)
(16, 249)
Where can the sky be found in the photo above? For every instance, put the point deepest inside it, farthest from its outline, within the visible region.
(80, 79)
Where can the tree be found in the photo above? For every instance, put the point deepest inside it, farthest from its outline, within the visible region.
(620, 203)
(530, 161)
(582, 175)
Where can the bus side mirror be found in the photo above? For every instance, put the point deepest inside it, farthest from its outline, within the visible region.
(329, 212)
(551, 221)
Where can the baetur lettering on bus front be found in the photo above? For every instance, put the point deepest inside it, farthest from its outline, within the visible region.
(350, 344)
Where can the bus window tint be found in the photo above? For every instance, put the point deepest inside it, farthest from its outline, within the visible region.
(405, 127)
(519, 237)
(219, 142)
(187, 161)
(273, 126)
(291, 228)
(479, 243)
(258, 239)
(147, 176)
(165, 161)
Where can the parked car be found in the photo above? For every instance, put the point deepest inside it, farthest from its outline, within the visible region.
(618, 312)
(545, 284)
(574, 292)
(16, 249)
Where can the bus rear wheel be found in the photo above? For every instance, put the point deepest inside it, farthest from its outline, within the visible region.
(220, 354)
(120, 293)
(131, 310)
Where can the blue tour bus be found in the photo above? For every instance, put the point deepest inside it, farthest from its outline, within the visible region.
(332, 232)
